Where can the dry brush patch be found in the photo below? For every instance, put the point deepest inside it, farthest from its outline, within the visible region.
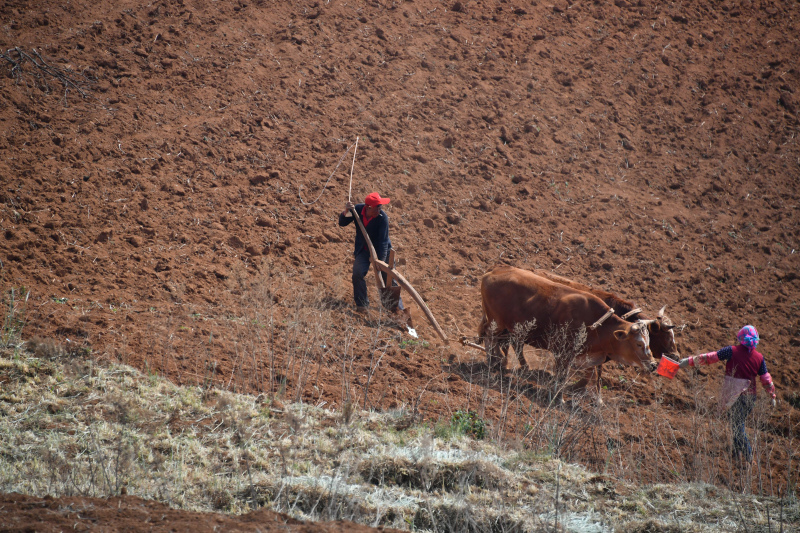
(73, 426)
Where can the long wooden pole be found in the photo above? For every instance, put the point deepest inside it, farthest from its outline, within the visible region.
(417, 298)
(350, 190)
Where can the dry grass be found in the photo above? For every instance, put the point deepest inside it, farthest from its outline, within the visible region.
(72, 426)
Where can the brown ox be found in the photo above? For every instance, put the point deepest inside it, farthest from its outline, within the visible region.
(662, 338)
(517, 302)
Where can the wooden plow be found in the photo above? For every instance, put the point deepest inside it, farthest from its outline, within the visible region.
(391, 295)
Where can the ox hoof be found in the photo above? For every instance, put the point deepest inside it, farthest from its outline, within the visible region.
(495, 365)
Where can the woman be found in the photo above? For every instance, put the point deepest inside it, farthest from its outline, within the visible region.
(743, 364)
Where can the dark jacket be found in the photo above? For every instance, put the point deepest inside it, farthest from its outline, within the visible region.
(377, 229)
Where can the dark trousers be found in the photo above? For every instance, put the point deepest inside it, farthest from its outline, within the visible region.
(361, 266)
(738, 414)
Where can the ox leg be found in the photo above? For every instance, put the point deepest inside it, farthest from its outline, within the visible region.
(599, 375)
(594, 368)
(490, 341)
(588, 367)
(504, 345)
(560, 378)
(519, 349)
(587, 382)
(493, 358)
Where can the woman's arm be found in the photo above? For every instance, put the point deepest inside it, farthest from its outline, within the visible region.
(707, 358)
(766, 380)
(704, 359)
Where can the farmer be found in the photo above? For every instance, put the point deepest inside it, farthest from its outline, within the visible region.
(376, 222)
(738, 393)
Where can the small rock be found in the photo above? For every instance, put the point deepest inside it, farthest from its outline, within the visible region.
(104, 236)
(788, 103)
(265, 223)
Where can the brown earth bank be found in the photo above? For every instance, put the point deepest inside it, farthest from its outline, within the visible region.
(172, 173)
(129, 513)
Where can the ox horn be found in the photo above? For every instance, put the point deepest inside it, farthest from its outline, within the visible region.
(661, 311)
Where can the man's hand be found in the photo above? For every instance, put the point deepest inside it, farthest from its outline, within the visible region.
(683, 363)
(348, 206)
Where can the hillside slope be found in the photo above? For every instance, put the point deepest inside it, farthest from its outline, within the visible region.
(181, 216)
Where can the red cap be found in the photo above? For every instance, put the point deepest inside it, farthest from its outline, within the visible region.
(374, 199)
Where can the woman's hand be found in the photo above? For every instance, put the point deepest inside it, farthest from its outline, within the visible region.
(683, 363)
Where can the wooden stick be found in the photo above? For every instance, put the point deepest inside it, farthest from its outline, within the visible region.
(350, 190)
(465, 342)
(417, 298)
(383, 267)
(390, 263)
(380, 266)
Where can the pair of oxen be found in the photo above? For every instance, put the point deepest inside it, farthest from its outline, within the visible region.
(589, 326)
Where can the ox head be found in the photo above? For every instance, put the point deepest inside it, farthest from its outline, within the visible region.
(662, 338)
(634, 347)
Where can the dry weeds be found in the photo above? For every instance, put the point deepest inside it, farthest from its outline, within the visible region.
(72, 426)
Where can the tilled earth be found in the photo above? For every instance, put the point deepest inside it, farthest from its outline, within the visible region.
(172, 174)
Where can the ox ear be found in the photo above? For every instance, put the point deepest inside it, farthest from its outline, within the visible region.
(661, 311)
(621, 334)
(668, 327)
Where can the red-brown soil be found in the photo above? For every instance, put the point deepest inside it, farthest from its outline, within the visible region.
(129, 513)
(645, 148)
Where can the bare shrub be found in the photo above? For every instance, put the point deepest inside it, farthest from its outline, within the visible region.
(46, 348)
(15, 302)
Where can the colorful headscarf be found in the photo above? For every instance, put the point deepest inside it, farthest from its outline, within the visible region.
(748, 336)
